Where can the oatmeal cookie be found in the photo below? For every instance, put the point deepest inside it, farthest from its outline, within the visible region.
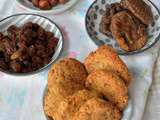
(72, 104)
(110, 85)
(106, 58)
(97, 109)
(67, 76)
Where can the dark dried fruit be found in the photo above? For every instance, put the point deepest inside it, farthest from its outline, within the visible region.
(107, 17)
(26, 48)
(15, 66)
(53, 2)
(3, 65)
(140, 9)
(130, 35)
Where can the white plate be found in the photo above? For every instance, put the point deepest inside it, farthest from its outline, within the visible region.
(47, 24)
(93, 18)
(55, 10)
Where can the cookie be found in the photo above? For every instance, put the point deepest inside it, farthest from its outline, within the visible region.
(110, 85)
(97, 109)
(140, 9)
(130, 35)
(71, 104)
(51, 102)
(66, 77)
(106, 58)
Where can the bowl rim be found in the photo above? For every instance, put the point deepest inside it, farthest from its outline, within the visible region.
(47, 65)
(47, 11)
(126, 53)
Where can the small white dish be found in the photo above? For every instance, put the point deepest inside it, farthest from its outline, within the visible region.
(47, 24)
(93, 18)
(27, 5)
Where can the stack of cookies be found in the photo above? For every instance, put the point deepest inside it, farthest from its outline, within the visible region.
(95, 90)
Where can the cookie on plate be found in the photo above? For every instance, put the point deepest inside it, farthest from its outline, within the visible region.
(106, 58)
(51, 102)
(97, 109)
(71, 104)
(66, 77)
(110, 85)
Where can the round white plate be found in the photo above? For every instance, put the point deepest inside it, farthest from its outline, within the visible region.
(47, 24)
(26, 4)
(93, 18)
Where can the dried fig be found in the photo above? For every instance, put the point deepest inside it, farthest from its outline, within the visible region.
(128, 31)
(105, 23)
(140, 9)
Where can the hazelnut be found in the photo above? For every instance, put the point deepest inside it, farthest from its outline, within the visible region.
(62, 1)
(53, 2)
(44, 4)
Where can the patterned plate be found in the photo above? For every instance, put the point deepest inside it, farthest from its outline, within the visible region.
(93, 18)
(55, 10)
(47, 24)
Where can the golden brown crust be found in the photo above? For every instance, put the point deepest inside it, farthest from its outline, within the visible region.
(140, 9)
(106, 58)
(66, 77)
(51, 102)
(72, 104)
(110, 85)
(97, 109)
(130, 35)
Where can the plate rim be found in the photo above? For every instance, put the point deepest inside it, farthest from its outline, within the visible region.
(47, 11)
(127, 53)
(47, 65)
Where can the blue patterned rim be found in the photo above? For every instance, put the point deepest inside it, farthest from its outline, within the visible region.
(125, 53)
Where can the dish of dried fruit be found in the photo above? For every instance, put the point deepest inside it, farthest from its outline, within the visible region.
(27, 47)
(124, 24)
(47, 6)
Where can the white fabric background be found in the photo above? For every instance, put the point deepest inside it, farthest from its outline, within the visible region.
(34, 83)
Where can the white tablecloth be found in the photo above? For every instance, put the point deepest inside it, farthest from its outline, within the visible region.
(21, 97)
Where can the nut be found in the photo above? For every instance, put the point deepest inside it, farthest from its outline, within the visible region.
(44, 4)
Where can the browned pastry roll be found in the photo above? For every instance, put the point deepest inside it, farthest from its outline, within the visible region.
(110, 85)
(106, 18)
(140, 9)
(97, 109)
(129, 33)
(106, 58)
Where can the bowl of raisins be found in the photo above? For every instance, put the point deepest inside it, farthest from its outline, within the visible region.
(29, 43)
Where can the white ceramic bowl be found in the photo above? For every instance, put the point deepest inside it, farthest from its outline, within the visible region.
(47, 24)
(26, 4)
